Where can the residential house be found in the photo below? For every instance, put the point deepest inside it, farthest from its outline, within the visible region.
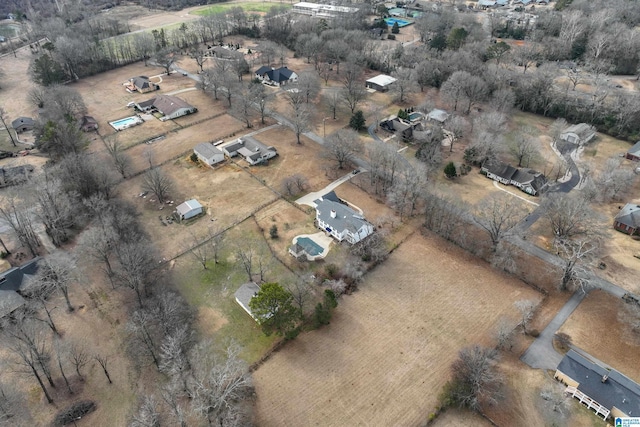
(11, 282)
(437, 115)
(605, 391)
(339, 220)
(276, 76)
(380, 82)
(189, 209)
(528, 180)
(208, 153)
(319, 10)
(484, 4)
(579, 134)
(15, 175)
(142, 84)
(634, 152)
(245, 294)
(252, 150)
(226, 53)
(23, 124)
(628, 219)
(399, 126)
(88, 124)
(498, 171)
(171, 107)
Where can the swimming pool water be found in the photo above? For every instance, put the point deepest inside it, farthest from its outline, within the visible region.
(128, 120)
(401, 22)
(310, 247)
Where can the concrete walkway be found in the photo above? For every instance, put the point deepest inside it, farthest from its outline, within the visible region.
(495, 184)
(541, 354)
(315, 195)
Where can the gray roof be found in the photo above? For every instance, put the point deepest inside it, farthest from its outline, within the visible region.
(498, 168)
(9, 302)
(207, 150)
(141, 82)
(629, 215)
(346, 218)
(635, 150)
(438, 115)
(253, 146)
(529, 176)
(168, 104)
(188, 206)
(22, 121)
(245, 293)
(617, 390)
(12, 279)
(583, 130)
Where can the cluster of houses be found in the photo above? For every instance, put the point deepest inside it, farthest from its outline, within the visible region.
(528, 180)
(247, 147)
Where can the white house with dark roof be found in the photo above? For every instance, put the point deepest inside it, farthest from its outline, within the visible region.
(528, 180)
(579, 134)
(276, 76)
(605, 391)
(171, 107)
(208, 154)
(252, 150)
(245, 294)
(340, 221)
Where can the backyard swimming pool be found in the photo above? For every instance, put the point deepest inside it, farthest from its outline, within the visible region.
(127, 122)
(415, 115)
(401, 22)
(310, 247)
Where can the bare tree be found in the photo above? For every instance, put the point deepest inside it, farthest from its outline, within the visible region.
(121, 160)
(525, 56)
(404, 84)
(12, 406)
(57, 209)
(136, 260)
(576, 256)
(407, 190)
(25, 341)
(524, 146)
(158, 183)
(557, 398)
(353, 92)
(221, 384)
(260, 99)
(301, 120)
(307, 85)
(302, 293)
(78, 357)
(148, 414)
(206, 246)
(556, 129)
(475, 381)
(173, 354)
(569, 216)
(526, 308)
(141, 325)
(343, 146)
(464, 87)
(332, 101)
(200, 56)
(245, 255)
(98, 244)
(58, 271)
(19, 220)
(171, 396)
(165, 58)
(456, 127)
(504, 334)
(614, 180)
(574, 76)
(498, 215)
(58, 345)
(39, 292)
(3, 119)
(244, 105)
(103, 361)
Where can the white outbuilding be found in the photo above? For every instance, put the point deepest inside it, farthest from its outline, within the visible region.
(380, 82)
(208, 154)
(189, 209)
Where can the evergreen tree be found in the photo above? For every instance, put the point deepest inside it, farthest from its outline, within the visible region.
(357, 121)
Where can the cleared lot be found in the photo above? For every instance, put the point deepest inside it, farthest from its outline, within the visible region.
(387, 352)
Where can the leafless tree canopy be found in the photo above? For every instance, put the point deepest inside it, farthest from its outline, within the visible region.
(343, 146)
(158, 183)
(570, 216)
(499, 216)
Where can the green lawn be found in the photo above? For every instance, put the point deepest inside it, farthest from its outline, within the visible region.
(248, 7)
(215, 288)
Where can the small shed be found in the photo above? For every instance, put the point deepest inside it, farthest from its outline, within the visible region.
(88, 124)
(22, 124)
(208, 154)
(380, 82)
(189, 209)
(634, 152)
(244, 295)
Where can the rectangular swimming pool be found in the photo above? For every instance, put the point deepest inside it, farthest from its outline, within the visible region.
(401, 22)
(310, 247)
(126, 122)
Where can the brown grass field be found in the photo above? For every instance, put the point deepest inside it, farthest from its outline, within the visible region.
(597, 328)
(387, 352)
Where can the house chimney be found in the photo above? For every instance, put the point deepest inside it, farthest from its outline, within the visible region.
(604, 378)
(333, 213)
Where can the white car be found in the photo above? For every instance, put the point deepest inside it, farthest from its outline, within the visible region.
(131, 104)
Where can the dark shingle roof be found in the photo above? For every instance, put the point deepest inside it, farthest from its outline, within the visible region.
(22, 121)
(168, 104)
(617, 390)
(141, 82)
(10, 301)
(263, 70)
(12, 279)
(498, 168)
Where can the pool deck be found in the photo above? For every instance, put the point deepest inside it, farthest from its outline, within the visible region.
(319, 238)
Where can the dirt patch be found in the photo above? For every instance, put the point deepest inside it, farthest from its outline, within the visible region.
(387, 352)
(596, 328)
(210, 320)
